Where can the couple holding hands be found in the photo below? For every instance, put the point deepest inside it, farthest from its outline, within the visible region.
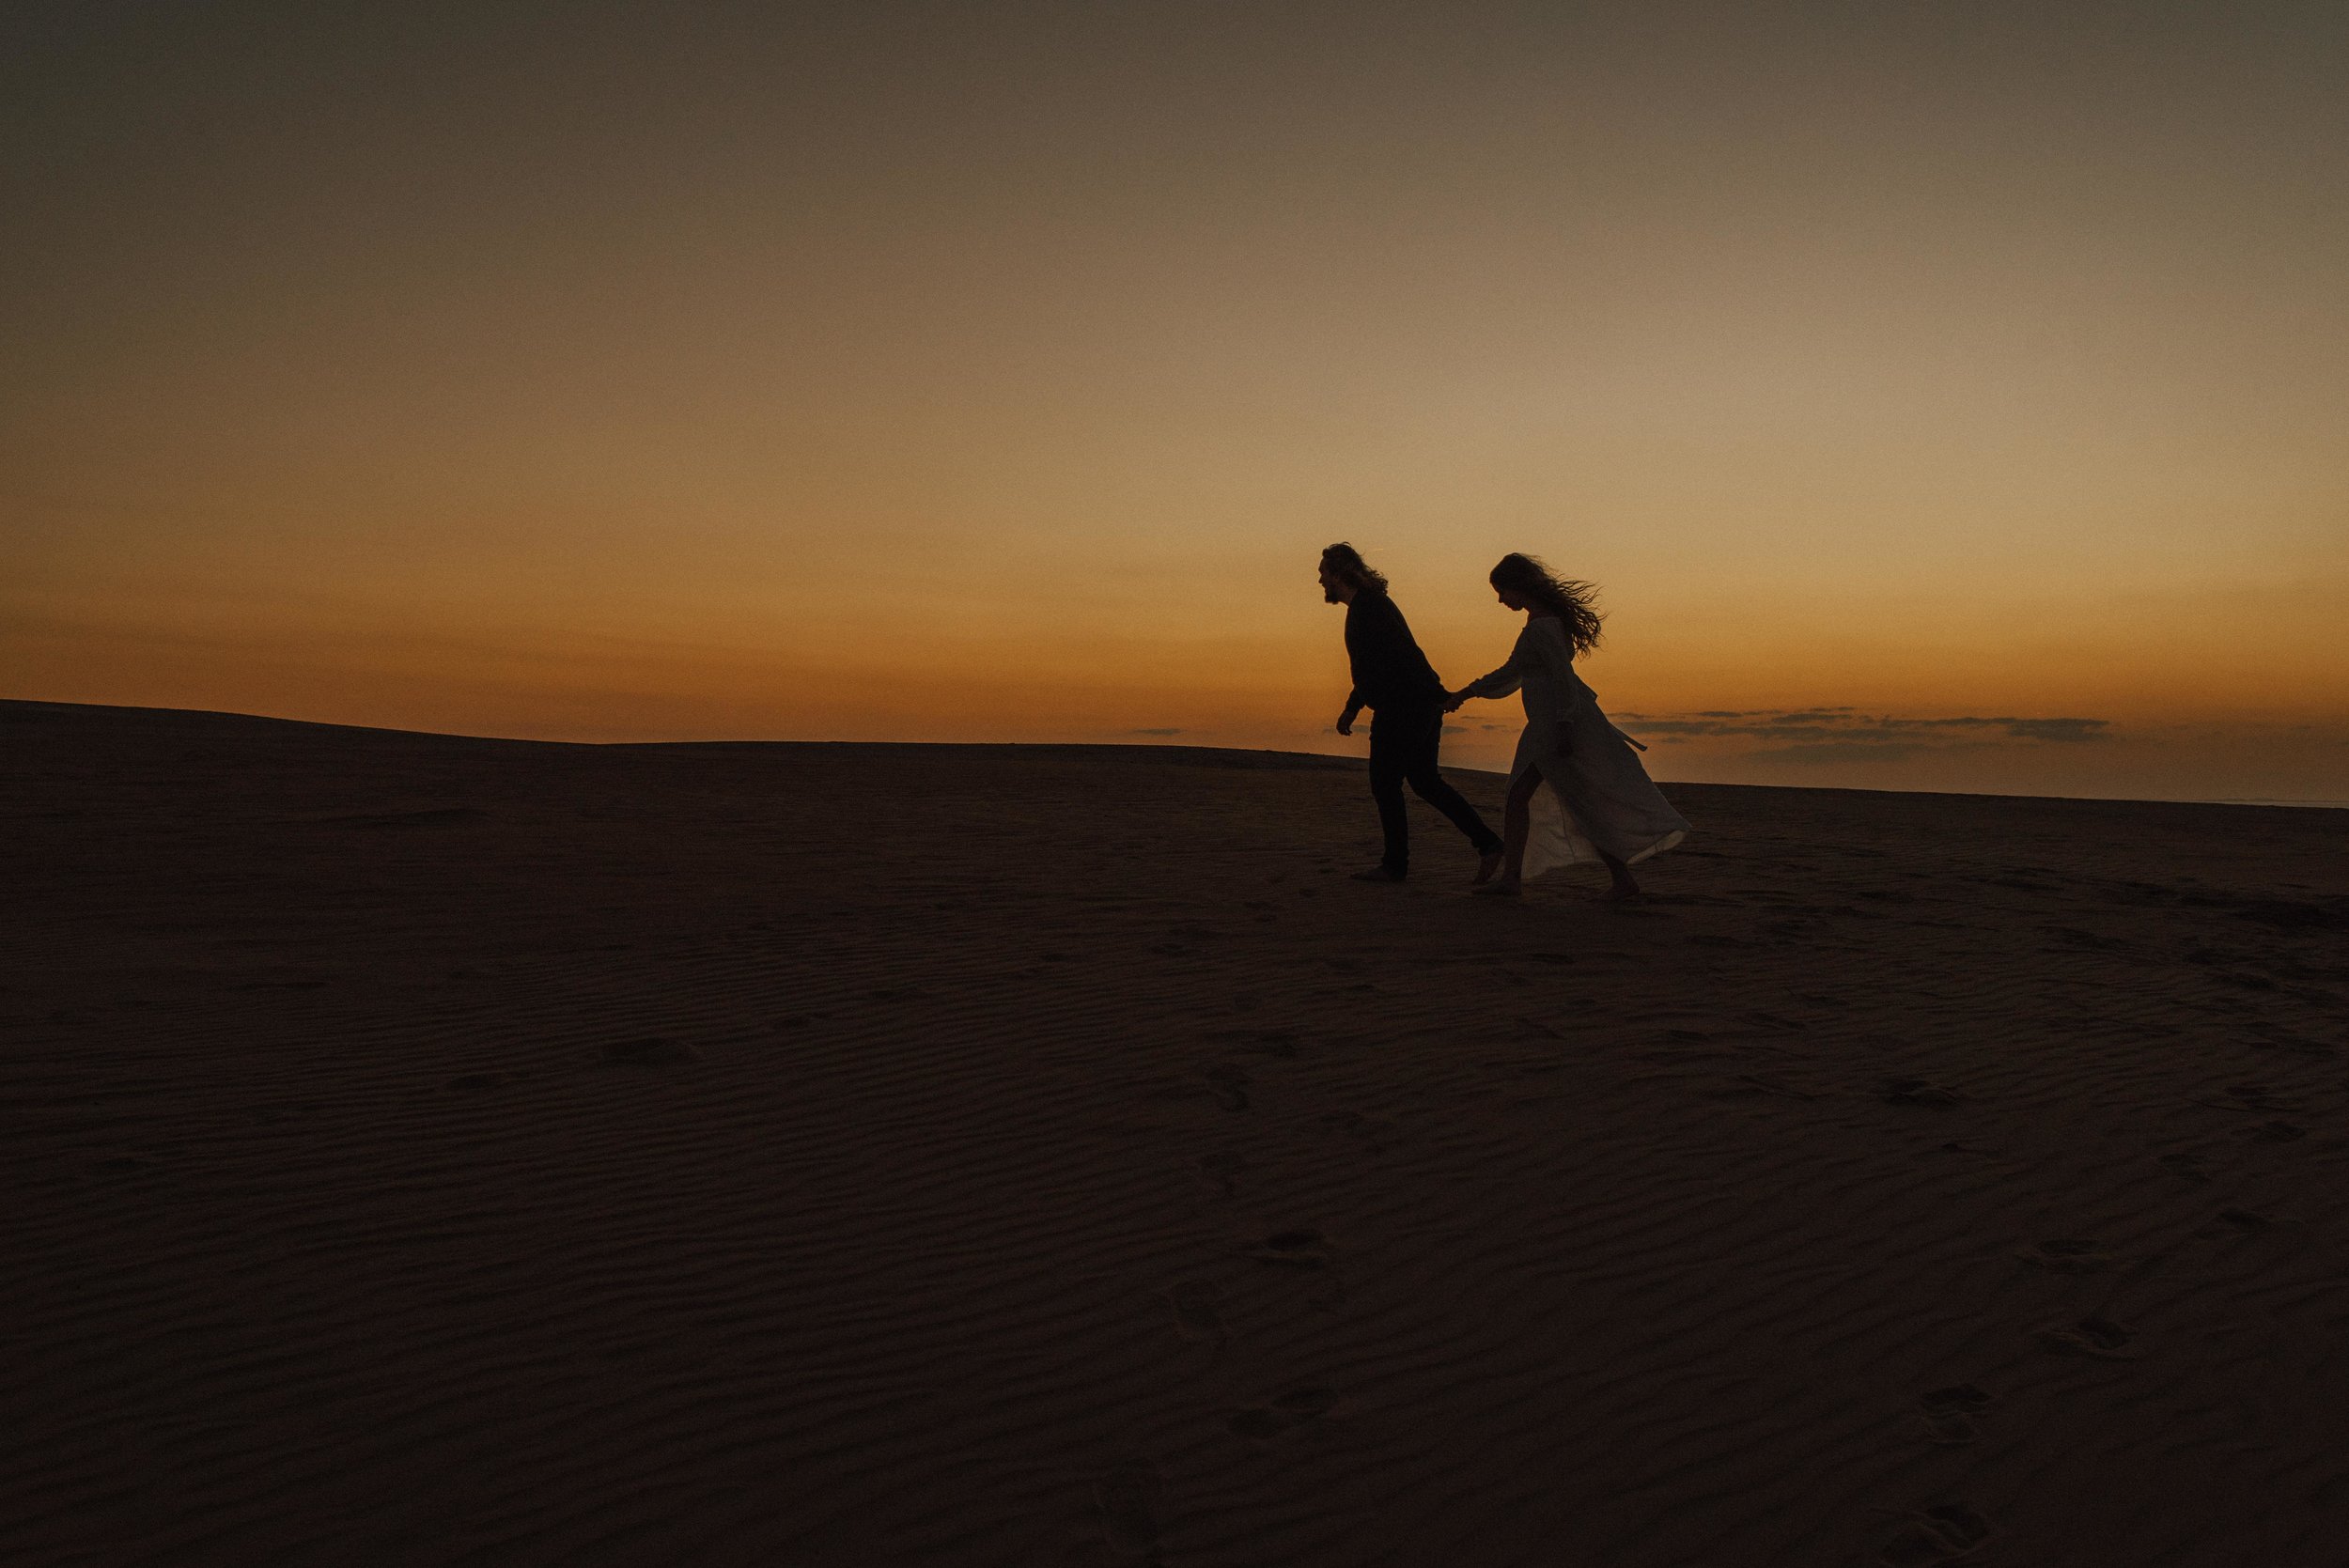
(1600, 805)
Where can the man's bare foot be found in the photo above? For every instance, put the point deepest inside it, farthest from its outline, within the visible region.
(1623, 892)
(1379, 874)
(1501, 887)
(1489, 867)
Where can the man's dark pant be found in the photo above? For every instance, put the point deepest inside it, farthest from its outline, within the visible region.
(1403, 743)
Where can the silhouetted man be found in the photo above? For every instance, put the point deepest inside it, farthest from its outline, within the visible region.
(1393, 679)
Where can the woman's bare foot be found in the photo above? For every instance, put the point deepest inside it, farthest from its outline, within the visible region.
(1489, 867)
(1620, 875)
(1501, 887)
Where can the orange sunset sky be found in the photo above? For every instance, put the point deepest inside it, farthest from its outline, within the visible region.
(1944, 397)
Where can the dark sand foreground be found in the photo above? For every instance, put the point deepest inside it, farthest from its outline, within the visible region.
(439, 1151)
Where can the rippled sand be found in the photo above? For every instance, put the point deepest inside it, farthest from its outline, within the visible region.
(437, 1151)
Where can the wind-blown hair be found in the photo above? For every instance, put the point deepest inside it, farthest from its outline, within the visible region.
(1572, 600)
(1345, 562)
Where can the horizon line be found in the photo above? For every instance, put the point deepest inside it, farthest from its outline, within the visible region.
(1129, 744)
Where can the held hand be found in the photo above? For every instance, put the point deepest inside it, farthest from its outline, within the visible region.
(1452, 701)
(1345, 722)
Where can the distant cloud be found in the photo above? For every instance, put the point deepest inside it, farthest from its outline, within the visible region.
(1153, 732)
(2057, 729)
(1844, 734)
(1842, 751)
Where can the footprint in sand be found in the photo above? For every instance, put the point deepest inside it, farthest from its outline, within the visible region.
(1299, 1247)
(2245, 1221)
(2098, 1336)
(1367, 1128)
(2068, 1256)
(1281, 1043)
(1283, 1412)
(1229, 1084)
(1127, 1499)
(2256, 1097)
(1949, 1413)
(2275, 1132)
(651, 1051)
(1914, 1091)
(1306, 1402)
(1222, 1172)
(474, 1084)
(1945, 1534)
(1756, 1083)
(1198, 1311)
(2271, 1037)
(2188, 1166)
(1256, 1422)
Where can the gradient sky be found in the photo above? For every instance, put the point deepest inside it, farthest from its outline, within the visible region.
(1908, 376)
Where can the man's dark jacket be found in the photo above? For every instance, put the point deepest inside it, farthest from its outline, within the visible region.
(1389, 672)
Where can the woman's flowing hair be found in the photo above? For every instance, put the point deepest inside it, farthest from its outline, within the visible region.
(1347, 563)
(1572, 600)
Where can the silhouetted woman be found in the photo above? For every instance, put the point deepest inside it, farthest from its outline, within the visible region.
(1600, 805)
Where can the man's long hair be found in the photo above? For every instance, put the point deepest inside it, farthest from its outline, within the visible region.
(1345, 562)
(1572, 600)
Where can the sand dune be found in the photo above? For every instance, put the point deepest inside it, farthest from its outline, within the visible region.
(444, 1151)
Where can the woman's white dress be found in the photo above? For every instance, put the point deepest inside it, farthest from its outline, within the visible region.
(1600, 796)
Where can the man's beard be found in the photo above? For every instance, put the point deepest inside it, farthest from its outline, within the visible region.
(1329, 596)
